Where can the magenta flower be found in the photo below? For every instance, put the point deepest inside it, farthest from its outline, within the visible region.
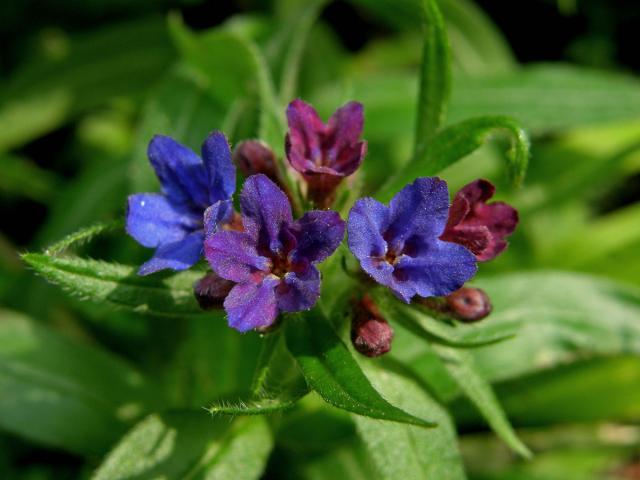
(273, 260)
(399, 245)
(480, 226)
(324, 154)
(172, 222)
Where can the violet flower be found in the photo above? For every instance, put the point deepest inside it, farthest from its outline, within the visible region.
(172, 222)
(399, 245)
(478, 225)
(273, 260)
(324, 154)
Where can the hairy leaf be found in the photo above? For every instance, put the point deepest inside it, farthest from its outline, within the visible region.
(64, 393)
(190, 445)
(564, 316)
(330, 370)
(458, 141)
(477, 389)
(406, 451)
(277, 383)
(119, 285)
(435, 76)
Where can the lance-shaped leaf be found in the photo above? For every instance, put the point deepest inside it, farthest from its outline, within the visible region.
(188, 444)
(119, 285)
(435, 76)
(460, 365)
(414, 319)
(329, 369)
(405, 451)
(458, 141)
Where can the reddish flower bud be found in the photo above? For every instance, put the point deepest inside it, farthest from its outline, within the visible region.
(477, 225)
(371, 335)
(469, 304)
(211, 290)
(253, 157)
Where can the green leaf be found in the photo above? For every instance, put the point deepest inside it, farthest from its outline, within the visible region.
(564, 316)
(119, 60)
(291, 42)
(435, 76)
(477, 45)
(434, 330)
(277, 383)
(544, 98)
(477, 389)
(549, 97)
(196, 374)
(330, 370)
(63, 393)
(189, 445)
(458, 141)
(82, 236)
(558, 395)
(119, 285)
(406, 451)
(20, 177)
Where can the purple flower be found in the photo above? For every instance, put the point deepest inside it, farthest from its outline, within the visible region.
(324, 154)
(172, 222)
(399, 246)
(480, 226)
(273, 260)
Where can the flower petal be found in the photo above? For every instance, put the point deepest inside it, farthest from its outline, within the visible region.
(216, 215)
(252, 305)
(420, 208)
(216, 155)
(349, 158)
(305, 129)
(180, 171)
(476, 238)
(233, 255)
(299, 291)
(152, 220)
(265, 210)
(346, 126)
(442, 270)
(368, 218)
(318, 233)
(178, 255)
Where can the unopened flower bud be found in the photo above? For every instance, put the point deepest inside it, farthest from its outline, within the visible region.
(371, 335)
(211, 290)
(253, 157)
(469, 304)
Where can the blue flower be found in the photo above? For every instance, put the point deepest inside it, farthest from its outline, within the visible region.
(273, 260)
(399, 245)
(172, 222)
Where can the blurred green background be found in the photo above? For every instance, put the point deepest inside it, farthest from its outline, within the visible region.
(85, 84)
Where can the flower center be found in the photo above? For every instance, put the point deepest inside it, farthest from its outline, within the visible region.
(392, 257)
(280, 265)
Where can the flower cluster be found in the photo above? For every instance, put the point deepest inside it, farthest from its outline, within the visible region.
(265, 262)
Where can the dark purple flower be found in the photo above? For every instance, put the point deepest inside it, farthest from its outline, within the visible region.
(478, 225)
(399, 246)
(324, 154)
(273, 260)
(172, 222)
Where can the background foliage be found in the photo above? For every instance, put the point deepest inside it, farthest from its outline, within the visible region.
(89, 391)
